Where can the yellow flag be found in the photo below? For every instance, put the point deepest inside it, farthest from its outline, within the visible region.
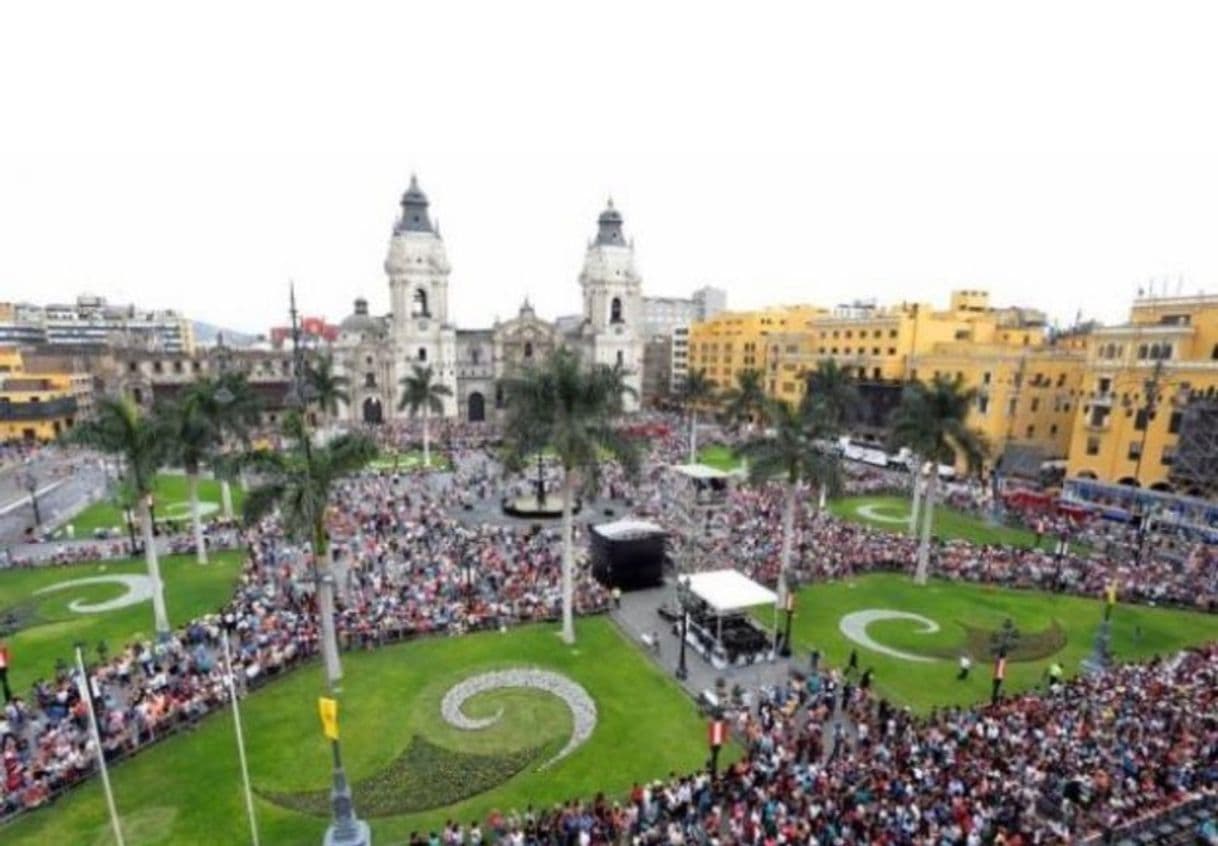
(328, 708)
(1112, 588)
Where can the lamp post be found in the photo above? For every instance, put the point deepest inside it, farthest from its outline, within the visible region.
(683, 605)
(30, 482)
(469, 584)
(345, 829)
(230, 625)
(785, 652)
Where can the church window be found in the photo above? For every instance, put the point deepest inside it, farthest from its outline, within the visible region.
(621, 361)
(615, 310)
(528, 349)
(369, 380)
(418, 305)
(475, 355)
(422, 353)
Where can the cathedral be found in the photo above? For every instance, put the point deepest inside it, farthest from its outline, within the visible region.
(376, 353)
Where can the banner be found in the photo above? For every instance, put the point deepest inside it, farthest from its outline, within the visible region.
(716, 732)
(328, 708)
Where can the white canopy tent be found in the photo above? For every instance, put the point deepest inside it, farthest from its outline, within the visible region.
(726, 594)
(729, 591)
(701, 472)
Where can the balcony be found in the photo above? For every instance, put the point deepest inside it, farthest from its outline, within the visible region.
(42, 410)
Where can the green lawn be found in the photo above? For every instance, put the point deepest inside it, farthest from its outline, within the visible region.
(720, 457)
(950, 523)
(187, 790)
(50, 629)
(409, 460)
(172, 498)
(1138, 632)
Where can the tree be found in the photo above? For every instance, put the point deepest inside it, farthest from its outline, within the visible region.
(794, 453)
(831, 386)
(192, 437)
(695, 391)
(570, 409)
(746, 400)
(118, 428)
(421, 394)
(236, 409)
(930, 422)
(327, 388)
(299, 481)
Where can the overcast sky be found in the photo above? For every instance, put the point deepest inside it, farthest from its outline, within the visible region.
(1059, 154)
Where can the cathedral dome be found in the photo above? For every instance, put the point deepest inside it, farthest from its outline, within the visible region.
(360, 320)
(609, 226)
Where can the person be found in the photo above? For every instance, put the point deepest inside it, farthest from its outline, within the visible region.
(8, 693)
(865, 681)
(617, 597)
(814, 660)
(853, 665)
(966, 664)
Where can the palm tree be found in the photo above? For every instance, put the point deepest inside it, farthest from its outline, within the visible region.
(192, 436)
(930, 422)
(747, 399)
(300, 480)
(696, 389)
(570, 409)
(236, 409)
(793, 452)
(328, 389)
(831, 385)
(118, 428)
(420, 393)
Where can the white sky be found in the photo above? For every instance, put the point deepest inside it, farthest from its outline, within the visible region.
(1059, 154)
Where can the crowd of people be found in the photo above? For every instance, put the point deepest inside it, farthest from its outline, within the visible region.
(825, 759)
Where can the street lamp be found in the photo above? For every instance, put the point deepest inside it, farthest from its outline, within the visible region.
(30, 482)
(683, 605)
(785, 652)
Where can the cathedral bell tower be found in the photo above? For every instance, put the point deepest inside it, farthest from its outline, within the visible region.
(417, 267)
(613, 302)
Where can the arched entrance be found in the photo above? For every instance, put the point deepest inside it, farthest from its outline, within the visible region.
(477, 407)
(372, 410)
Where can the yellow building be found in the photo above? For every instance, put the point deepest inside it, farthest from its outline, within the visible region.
(1150, 388)
(33, 406)
(735, 341)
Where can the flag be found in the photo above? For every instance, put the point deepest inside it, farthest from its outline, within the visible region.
(716, 732)
(790, 601)
(1000, 667)
(328, 708)
(1111, 593)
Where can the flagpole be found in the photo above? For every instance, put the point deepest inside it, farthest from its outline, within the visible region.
(86, 691)
(245, 772)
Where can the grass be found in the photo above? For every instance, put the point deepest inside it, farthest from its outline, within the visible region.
(172, 498)
(720, 457)
(409, 460)
(950, 523)
(51, 629)
(1138, 632)
(187, 789)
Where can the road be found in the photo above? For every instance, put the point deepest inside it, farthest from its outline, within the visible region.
(65, 484)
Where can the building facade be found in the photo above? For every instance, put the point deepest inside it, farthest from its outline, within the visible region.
(1149, 410)
(91, 321)
(377, 352)
(34, 406)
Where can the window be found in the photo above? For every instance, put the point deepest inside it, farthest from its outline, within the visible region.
(621, 359)
(983, 404)
(1139, 422)
(892, 350)
(418, 304)
(615, 310)
(1135, 450)
(1052, 428)
(1173, 424)
(1093, 446)
(985, 378)
(1168, 456)
(422, 356)
(528, 349)
(788, 387)
(1011, 406)
(875, 373)
(1031, 432)
(1035, 404)
(369, 380)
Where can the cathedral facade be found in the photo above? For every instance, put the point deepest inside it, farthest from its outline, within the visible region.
(377, 352)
